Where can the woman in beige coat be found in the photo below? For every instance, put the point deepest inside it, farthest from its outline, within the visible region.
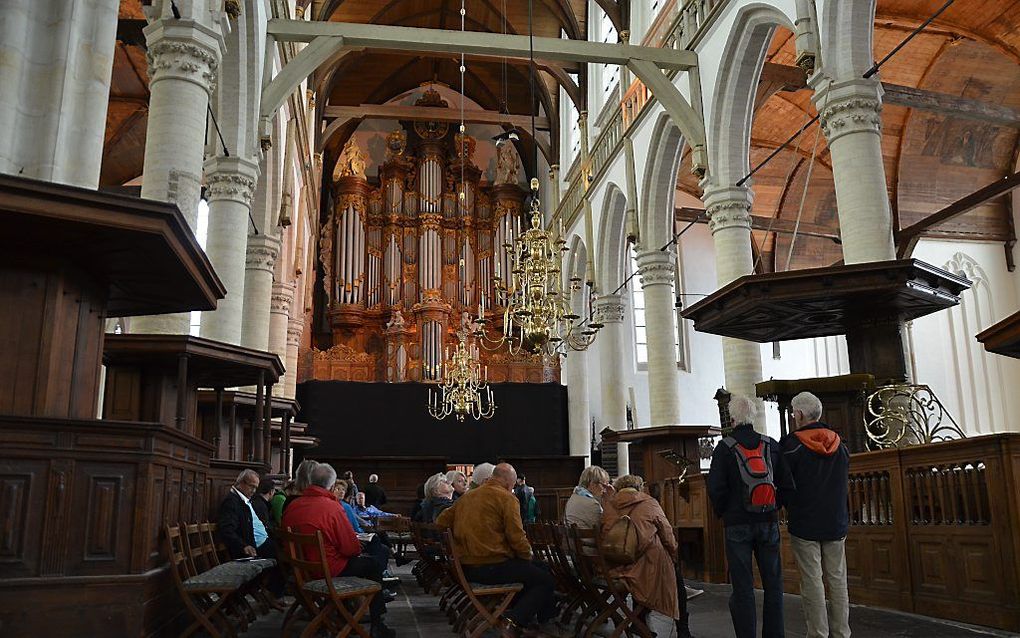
(652, 578)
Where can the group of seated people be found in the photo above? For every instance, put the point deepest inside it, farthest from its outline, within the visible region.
(316, 500)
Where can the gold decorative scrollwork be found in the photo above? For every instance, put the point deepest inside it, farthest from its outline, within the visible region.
(905, 414)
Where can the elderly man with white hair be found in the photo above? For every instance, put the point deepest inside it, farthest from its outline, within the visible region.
(375, 495)
(481, 474)
(818, 516)
(747, 483)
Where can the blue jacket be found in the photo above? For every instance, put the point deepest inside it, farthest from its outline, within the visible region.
(820, 464)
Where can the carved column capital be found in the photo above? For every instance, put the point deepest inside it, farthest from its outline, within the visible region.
(609, 309)
(728, 207)
(282, 298)
(183, 50)
(262, 253)
(657, 267)
(294, 329)
(849, 107)
(230, 178)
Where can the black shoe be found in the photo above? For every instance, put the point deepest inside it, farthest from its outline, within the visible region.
(380, 630)
(389, 596)
(401, 560)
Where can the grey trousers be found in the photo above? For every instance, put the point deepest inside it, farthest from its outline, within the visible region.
(815, 559)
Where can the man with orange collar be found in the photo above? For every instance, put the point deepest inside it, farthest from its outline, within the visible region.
(818, 516)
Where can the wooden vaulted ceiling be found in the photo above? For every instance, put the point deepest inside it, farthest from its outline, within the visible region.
(971, 51)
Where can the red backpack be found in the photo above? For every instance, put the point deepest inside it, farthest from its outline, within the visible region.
(755, 467)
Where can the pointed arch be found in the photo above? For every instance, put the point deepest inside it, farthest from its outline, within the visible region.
(658, 186)
(611, 240)
(847, 35)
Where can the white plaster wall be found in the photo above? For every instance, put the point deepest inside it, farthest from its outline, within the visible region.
(978, 388)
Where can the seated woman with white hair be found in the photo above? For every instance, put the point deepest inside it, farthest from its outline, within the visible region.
(584, 507)
(458, 481)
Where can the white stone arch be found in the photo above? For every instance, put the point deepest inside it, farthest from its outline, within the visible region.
(611, 240)
(658, 186)
(239, 82)
(577, 268)
(846, 32)
(733, 104)
(980, 391)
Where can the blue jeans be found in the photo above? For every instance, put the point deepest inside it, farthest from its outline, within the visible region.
(761, 540)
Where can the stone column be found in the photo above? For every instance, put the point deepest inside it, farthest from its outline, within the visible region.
(852, 122)
(729, 210)
(658, 272)
(55, 87)
(575, 375)
(263, 251)
(231, 181)
(294, 329)
(281, 301)
(183, 59)
(609, 311)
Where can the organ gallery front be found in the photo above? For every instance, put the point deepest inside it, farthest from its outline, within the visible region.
(408, 257)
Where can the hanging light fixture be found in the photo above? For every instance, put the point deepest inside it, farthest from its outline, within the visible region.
(464, 385)
(537, 316)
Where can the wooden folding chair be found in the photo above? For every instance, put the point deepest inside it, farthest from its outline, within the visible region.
(567, 579)
(204, 594)
(324, 598)
(487, 602)
(628, 618)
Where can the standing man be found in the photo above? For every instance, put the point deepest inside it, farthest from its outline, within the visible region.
(374, 494)
(818, 516)
(487, 529)
(747, 481)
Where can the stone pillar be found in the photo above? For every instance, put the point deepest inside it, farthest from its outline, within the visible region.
(263, 250)
(281, 301)
(575, 375)
(294, 329)
(658, 272)
(609, 311)
(183, 59)
(231, 181)
(852, 122)
(729, 210)
(55, 87)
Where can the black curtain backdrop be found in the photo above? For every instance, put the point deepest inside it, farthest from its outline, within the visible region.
(392, 419)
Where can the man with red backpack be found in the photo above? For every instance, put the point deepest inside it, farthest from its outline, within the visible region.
(747, 482)
(818, 517)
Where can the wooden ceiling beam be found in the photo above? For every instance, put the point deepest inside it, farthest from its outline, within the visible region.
(907, 238)
(686, 214)
(432, 114)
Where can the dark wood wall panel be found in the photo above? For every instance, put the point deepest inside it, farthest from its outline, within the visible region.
(21, 485)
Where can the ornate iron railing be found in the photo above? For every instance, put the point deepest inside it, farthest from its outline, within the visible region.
(906, 414)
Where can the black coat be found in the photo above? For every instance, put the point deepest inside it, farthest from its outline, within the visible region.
(726, 489)
(820, 464)
(234, 525)
(375, 495)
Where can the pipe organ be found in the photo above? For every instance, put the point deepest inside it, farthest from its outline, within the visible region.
(407, 257)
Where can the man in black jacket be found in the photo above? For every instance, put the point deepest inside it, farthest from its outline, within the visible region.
(818, 516)
(243, 532)
(750, 517)
(374, 493)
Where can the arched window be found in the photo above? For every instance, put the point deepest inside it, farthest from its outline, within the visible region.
(610, 72)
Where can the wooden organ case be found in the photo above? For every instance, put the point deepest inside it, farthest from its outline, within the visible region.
(406, 260)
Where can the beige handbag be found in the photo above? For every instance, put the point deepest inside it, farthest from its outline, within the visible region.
(621, 544)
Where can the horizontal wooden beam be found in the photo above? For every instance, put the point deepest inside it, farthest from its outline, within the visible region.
(906, 239)
(433, 114)
(761, 222)
(395, 38)
(950, 105)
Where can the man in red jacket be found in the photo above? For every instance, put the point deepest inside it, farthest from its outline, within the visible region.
(318, 510)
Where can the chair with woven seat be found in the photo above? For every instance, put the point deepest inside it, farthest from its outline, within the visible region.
(325, 599)
(486, 602)
(613, 592)
(205, 594)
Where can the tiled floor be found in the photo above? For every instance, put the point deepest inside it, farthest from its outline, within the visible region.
(415, 614)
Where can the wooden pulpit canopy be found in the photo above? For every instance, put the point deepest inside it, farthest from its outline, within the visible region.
(1004, 337)
(822, 302)
(211, 364)
(141, 253)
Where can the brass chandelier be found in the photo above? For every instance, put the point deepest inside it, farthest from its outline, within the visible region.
(537, 317)
(464, 386)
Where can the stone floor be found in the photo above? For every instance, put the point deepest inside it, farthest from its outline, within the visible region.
(416, 615)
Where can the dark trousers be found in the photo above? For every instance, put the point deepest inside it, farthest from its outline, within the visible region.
(378, 551)
(365, 567)
(761, 540)
(681, 594)
(274, 576)
(536, 599)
